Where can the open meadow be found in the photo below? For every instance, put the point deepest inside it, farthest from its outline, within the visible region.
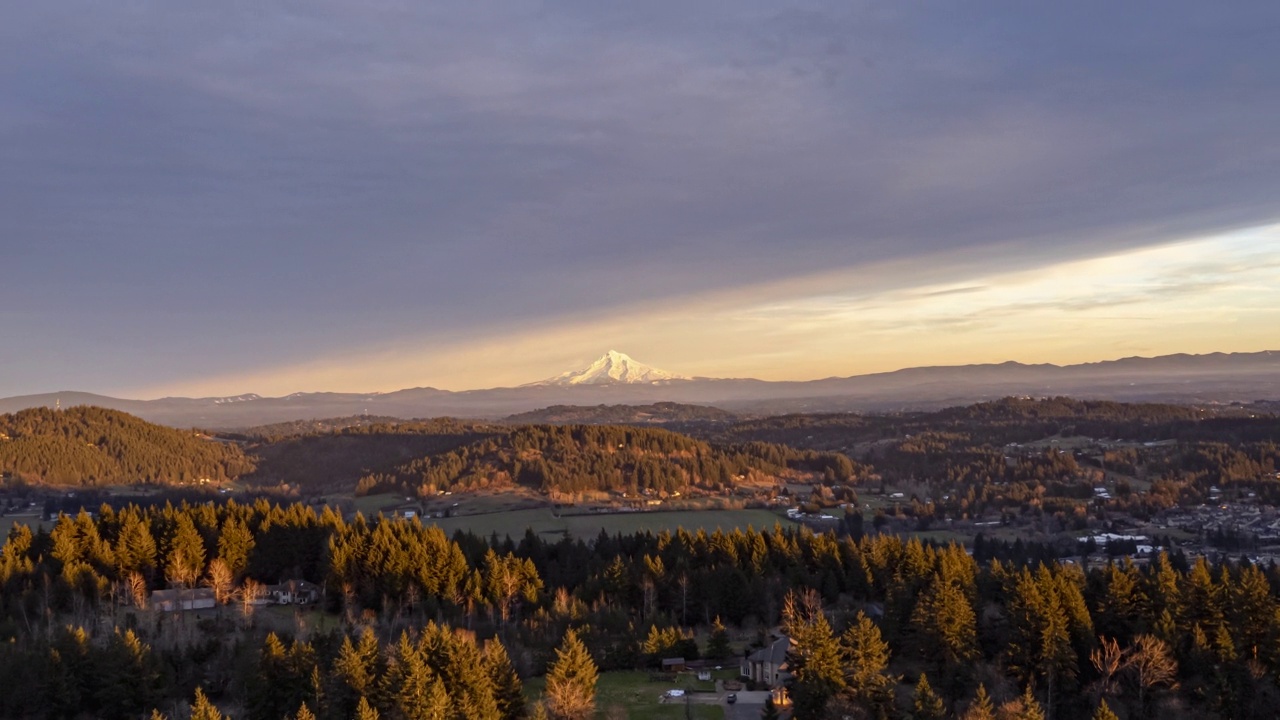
(640, 698)
(547, 521)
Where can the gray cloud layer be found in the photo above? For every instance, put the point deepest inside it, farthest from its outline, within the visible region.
(189, 189)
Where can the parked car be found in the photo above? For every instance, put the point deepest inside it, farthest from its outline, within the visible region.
(731, 698)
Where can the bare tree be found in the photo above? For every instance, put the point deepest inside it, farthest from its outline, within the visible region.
(1150, 664)
(251, 591)
(137, 586)
(1108, 660)
(221, 580)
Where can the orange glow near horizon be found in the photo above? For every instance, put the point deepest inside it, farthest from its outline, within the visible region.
(1197, 296)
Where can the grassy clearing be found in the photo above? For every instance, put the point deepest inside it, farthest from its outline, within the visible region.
(546, 521)
(294, 619)
(944, 537)
(370, 505)
(633, 692)
(8, 521)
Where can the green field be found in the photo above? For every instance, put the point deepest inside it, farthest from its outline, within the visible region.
(634, 693)
(545, 521)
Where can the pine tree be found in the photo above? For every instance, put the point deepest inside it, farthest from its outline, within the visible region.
(202, 709)
(135, 549)
(981, 707)
(234, 545)
(946, 631)
(355, 672)
(866, 659)
(407, 679)
(365, 711)
(1029, 708)
(185, 562)
(507, 688)
(304, 713)
(816, 665)
(718, 644)
(1103, 712)
(571, 681)
(925, 703)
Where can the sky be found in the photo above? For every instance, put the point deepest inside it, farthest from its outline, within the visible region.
(336, 195)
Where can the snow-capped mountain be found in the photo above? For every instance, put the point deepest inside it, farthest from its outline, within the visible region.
(614, 368)
(250, 397)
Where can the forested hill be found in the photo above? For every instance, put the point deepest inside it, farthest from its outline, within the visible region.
(579, 458)
(84, 446)
(1014, 420)
(335, 453)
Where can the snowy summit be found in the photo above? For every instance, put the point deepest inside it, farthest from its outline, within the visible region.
(614, 368)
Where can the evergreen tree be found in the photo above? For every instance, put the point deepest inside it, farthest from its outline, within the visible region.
(408, 680)
(135, 548)
(365, 711)
(234, 545)
(718, 644)
(1028, 707)
(925, 703)
(507, 688)
(981, 707)
(946, 631)
(866, 661)
(571, 681)
(202, 709)
(817, 668)
(1103, 712)
(770, 710)
(185, 562)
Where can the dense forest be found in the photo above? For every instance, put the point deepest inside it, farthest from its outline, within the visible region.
(583, 458)
(93, 446)
(879, 625)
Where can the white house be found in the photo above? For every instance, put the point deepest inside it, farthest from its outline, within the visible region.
(768, 667)
(766, 664)
(294, 592)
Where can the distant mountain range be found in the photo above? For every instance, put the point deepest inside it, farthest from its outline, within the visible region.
(616, 379)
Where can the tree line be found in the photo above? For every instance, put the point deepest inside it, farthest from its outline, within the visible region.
(1066, 636)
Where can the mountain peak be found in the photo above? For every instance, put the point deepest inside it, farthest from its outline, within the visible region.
(614, 368)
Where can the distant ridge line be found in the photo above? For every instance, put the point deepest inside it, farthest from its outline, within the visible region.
(616, 379)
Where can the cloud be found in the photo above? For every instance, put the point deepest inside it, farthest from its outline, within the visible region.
(1200, 295)
(208, 191)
